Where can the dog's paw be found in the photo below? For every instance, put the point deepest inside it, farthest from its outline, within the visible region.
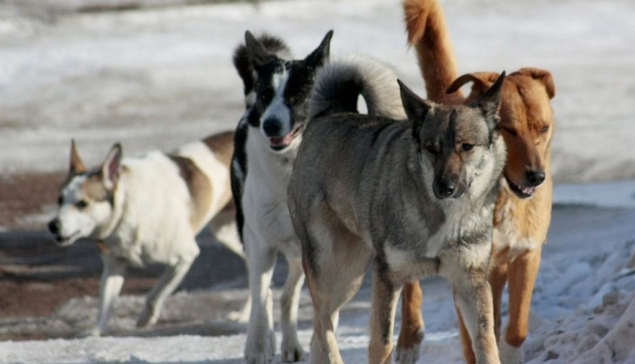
(241, 316)
(407, 350)
(260, 349)
(509, 354)
(92, 332)
(292, 351)
(148, 317)
(407, 356)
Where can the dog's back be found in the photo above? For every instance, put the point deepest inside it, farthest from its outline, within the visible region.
(171, 196)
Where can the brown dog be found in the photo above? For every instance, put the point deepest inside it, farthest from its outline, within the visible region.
(523, 209)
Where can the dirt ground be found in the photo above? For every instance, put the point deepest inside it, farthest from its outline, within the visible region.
(37, 277)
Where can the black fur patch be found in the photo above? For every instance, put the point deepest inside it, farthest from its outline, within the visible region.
(244, 65)
(237, 177)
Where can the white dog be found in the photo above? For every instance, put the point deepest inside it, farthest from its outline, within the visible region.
(148, 210)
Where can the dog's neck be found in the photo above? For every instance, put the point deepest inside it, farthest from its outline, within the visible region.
(118, 202)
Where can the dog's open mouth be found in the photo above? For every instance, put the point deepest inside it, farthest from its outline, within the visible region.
(283, 142)
(521, 191)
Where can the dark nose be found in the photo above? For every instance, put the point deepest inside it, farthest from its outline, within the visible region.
(272, 127)
(536, 177)
(445, 189)
(54, 226)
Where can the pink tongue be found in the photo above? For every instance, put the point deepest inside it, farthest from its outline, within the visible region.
(285, 140)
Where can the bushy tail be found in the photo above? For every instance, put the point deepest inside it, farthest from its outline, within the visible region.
(339, 84)
(428, 33)
(243, 64)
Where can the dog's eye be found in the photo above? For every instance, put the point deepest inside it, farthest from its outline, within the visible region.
(544, 130)
(60, 200)
(467, 147)
(431, 149)
(81, 204)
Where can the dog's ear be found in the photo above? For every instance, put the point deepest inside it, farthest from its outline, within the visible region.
(490, 102)
(256, 51)
(77, 166)
(541, 76)
(320, 56)
(415, 107)
(110, 169)
(481, 81)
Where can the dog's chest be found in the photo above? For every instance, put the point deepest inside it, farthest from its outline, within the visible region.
(508, 234)
(264, 199)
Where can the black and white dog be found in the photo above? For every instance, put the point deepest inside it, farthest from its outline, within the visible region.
(266, 142)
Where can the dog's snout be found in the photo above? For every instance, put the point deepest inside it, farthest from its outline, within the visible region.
(272, 127)
(536, 177)
(445, 188)
(54, 226)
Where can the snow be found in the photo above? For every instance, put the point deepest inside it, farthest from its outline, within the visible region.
(157, 78)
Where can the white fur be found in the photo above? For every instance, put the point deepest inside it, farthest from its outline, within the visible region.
(267, 230)
(150, 223)
(508, 353)
(278, 108)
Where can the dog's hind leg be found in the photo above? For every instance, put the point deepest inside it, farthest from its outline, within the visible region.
(261, 258)
(412, 325)
(111, 282)
(170, 279)
(335, 261)
(385, 297)
(522, 277)
(291, 348)
(473, 300)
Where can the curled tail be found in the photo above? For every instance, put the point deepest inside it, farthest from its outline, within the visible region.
(244, 65)
(428, 33)
(339, 84)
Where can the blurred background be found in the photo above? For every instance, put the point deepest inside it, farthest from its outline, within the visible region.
(156, 74)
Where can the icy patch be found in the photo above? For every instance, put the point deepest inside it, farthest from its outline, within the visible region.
(610, 194)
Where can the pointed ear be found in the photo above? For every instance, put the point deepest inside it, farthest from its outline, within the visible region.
(416, 108)
(110, 169)
(542, 76)
(490, 102)
(257, 52)
(320, 56)
(481, 81)
(76, 166)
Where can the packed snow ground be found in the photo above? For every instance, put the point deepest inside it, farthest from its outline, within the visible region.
(160, 78)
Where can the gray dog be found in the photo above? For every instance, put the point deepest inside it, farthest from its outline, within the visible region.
(415, 197)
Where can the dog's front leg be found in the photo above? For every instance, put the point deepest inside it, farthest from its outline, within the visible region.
(261, 258)
(385, 298)
(111, 282)
(168, 282)
(291, 349)
(522, 277)
(412, 326)
(473, 300)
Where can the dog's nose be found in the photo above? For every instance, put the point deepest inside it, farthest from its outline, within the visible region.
(445, 188)
(54, 226)
(536, 177)
(272, 127)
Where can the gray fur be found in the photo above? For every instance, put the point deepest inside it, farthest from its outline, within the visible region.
(362, 191)
(339, 84)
